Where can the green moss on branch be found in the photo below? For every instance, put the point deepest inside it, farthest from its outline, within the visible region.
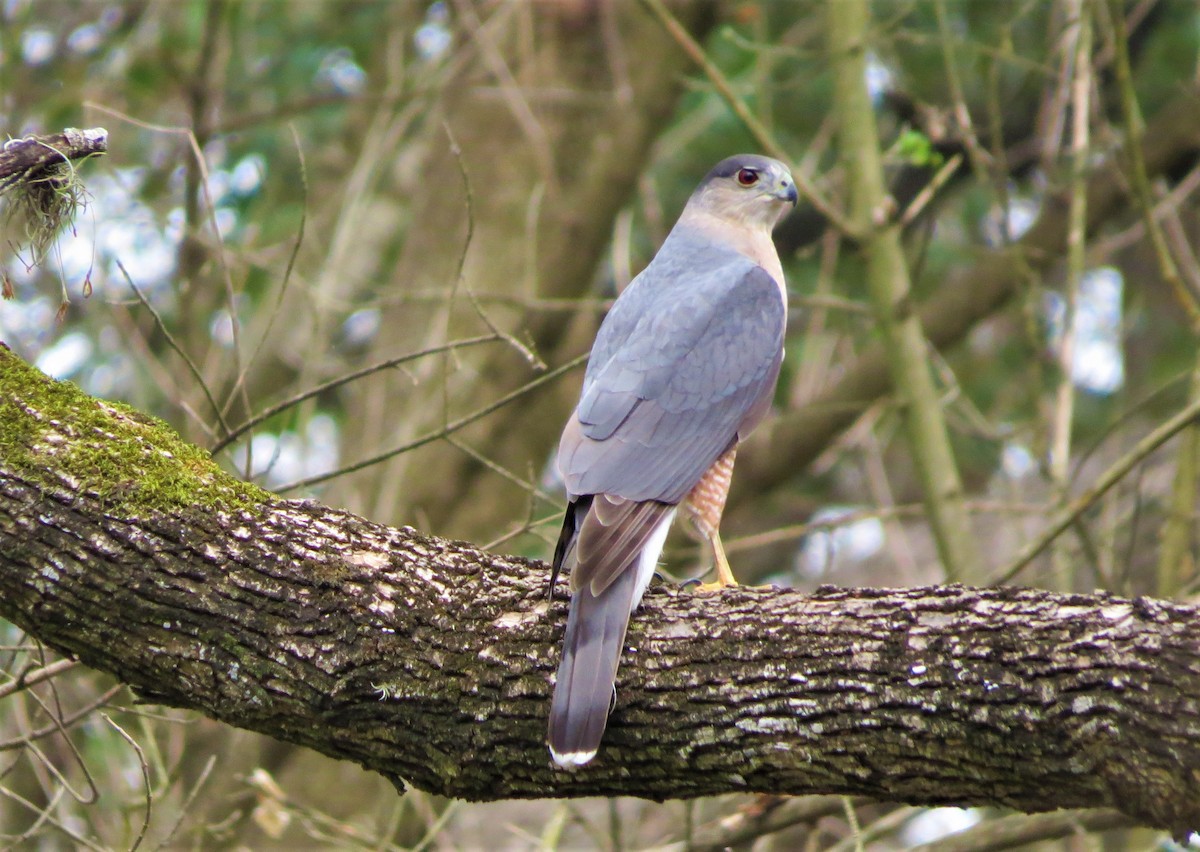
(53, 435)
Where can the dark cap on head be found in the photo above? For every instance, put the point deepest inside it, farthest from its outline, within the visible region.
(732, 165)
(746, 188)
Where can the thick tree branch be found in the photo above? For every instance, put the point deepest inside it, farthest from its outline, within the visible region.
(429, 661)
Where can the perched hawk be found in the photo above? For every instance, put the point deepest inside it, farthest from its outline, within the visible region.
(683, 368)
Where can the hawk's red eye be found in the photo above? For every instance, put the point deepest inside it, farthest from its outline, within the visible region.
(747, 177)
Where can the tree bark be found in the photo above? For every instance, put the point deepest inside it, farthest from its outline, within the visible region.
(430, 661)
(27, 160)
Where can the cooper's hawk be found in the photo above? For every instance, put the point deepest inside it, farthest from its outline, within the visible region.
(682, 369)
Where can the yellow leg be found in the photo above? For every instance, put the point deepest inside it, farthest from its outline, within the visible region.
(725, 577)
(724, 572)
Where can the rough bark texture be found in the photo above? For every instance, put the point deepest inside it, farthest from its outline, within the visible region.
(27, 160)
(430, 661)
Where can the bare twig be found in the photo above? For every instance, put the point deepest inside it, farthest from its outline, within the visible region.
(145, 779)
(962, 114)
(24, 681)
(514, 95)
(756, 128)
(863, 838)
(287, 272)
(1019, 830)
(528, 354)
(267, 413)
(202, 170)
(61, 724)
(498, 469)
(185, 808)
(174, 344)
(1135, 129)
(437, 434)
(771, 814)
(1178, 528)
(45, 817)
(1111, 477)
(922, 199)
(1079, 51)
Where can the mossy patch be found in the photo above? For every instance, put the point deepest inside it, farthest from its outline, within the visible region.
(53, 434)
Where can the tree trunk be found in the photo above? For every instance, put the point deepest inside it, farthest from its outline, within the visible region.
(430, 661)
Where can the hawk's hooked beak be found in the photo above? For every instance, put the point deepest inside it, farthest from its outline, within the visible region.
(785, 190)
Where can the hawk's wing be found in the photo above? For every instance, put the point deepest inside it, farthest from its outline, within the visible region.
(683, 366)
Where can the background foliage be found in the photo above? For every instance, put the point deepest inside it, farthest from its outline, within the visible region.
(296, 191)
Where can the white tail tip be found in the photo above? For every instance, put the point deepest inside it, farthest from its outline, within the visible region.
(572, 759)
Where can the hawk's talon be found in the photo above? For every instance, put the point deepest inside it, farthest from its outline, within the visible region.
(725, 578)
(718, 586)
(715, 586)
